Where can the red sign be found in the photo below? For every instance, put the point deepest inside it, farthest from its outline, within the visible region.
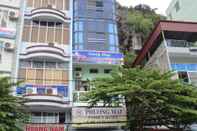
(43, 127)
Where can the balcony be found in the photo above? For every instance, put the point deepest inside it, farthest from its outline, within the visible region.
(50, 97)
(44, 127)
(48, 14)
(181, 47)
(48, 52)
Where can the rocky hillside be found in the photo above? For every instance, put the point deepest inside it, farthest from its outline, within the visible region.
(134, 25)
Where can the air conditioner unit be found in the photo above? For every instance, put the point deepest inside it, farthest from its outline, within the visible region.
(13, 15)
(9, 46)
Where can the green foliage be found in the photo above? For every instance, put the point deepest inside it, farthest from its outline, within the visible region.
(149, 95)
(135, 22)
(11, 113)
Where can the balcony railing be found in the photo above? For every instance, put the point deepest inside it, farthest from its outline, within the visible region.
(181, 43)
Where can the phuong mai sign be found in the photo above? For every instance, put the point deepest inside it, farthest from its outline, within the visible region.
(44, 127)
(97, 57)
(98, 117)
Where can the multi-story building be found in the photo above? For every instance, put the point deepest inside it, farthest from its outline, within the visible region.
(62, 44)
(172, 47)
(45, 63)
(9, 35)
(95, 54)
(182, 10)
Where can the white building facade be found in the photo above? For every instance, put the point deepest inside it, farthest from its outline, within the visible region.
(10, 18)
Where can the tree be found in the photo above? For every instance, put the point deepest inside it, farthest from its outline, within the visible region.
(135, 23)
(11, 112)
(151, 98)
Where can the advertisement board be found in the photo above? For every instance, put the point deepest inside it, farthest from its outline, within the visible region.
(44, 127)
(43, 90)
(184, 67)
(7, 33)
(97, 57)
(98, 117)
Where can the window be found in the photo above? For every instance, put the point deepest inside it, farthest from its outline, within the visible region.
(183, 76)
(37, 64)
(78, 69)
(4, 18)
(62, 118)
(78, 37)
(112, 48)
(25, 64)
(177, 6)
(93, 71)
(78, 26)
(107, 71)
(40, 91)
(111, 28)
(50, 65)
(99, 3)
(112, 40)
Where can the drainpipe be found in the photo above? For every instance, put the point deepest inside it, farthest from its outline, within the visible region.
(71, 88)
(18, 42)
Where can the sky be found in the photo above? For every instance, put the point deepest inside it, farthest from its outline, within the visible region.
(161, 5)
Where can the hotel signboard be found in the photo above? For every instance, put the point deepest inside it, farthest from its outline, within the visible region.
(98, 117)
(44, 127)
(97, 57)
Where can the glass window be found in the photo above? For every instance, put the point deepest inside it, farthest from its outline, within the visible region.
(112, 48)
(93, 71)
(99, 3)
(36, 117)
(76, 37)
(80, 47)
(50, 65)
(37, 64)
(80, 26)
(62, 65)
(183, 76)
(25, 64)
(4, 19)
(111, 39)
(107, 71)
(80, 37)
(111, 28)
(115, 29)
